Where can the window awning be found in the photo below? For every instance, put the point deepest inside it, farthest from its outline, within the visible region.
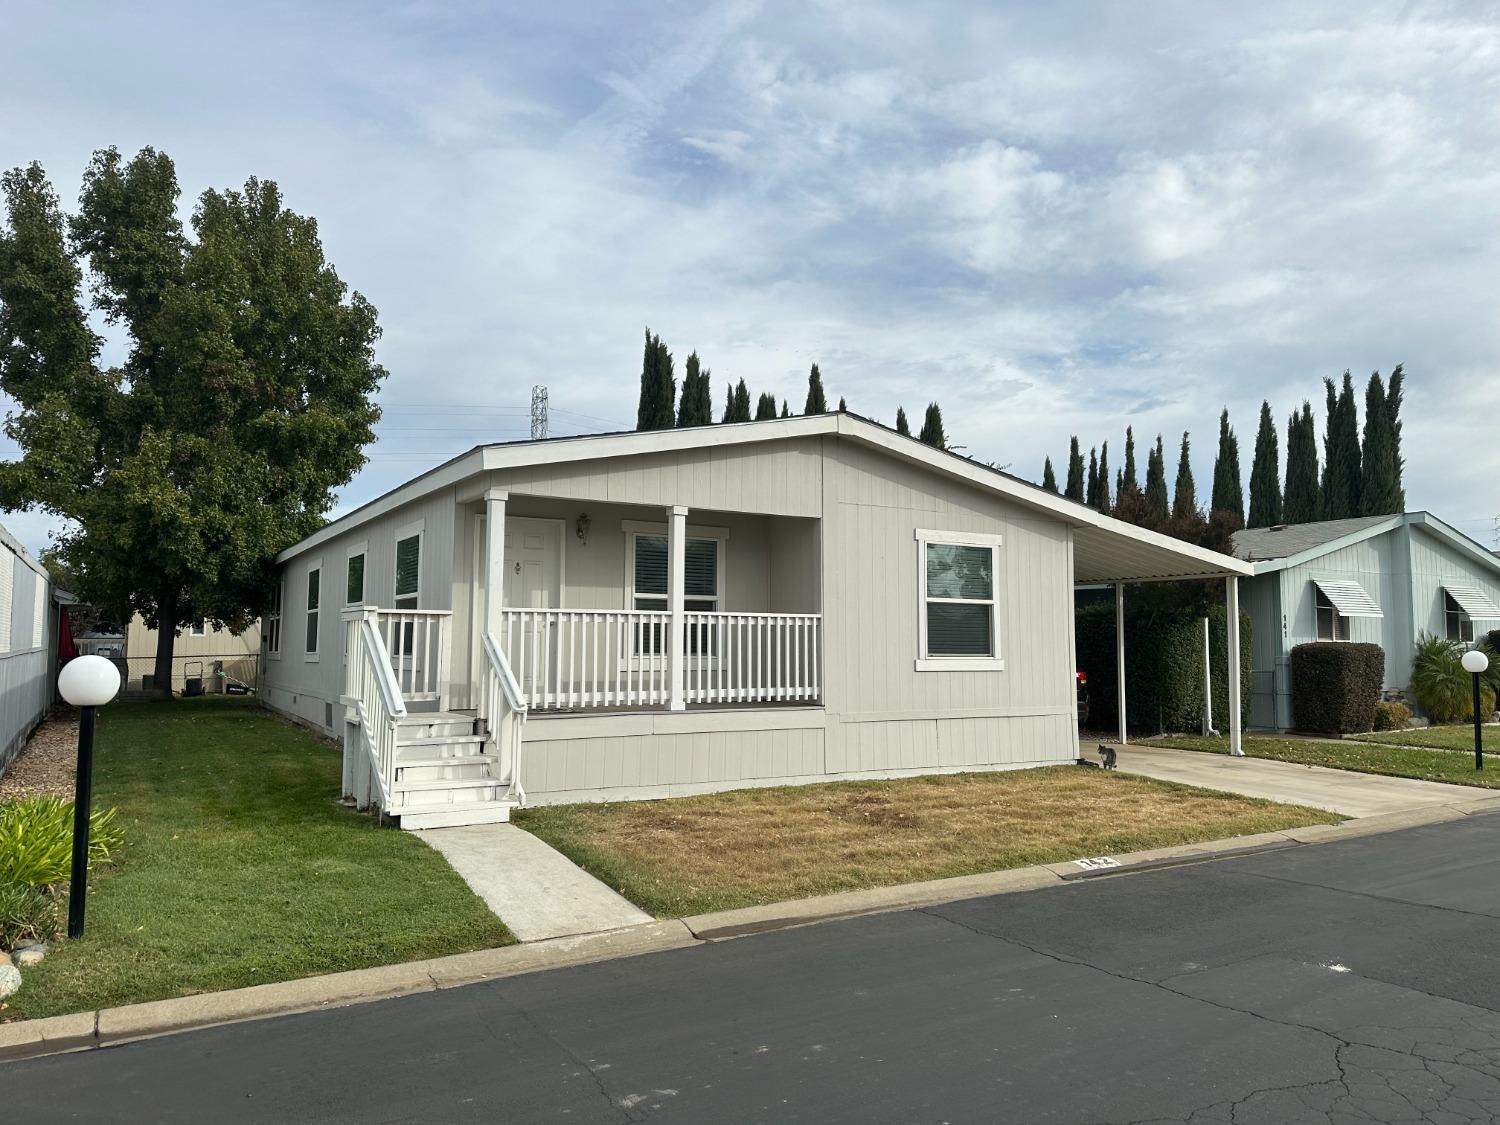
(1474, 601)
(1349, 598)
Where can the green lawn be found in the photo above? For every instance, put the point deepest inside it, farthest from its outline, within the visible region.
(1460, 737)
(1396, 761)
(691, 855)
(240, 867)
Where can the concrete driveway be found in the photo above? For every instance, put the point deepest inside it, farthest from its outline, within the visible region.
(1340, 791)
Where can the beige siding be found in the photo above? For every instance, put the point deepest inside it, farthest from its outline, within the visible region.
(769, 478)
(192, 655)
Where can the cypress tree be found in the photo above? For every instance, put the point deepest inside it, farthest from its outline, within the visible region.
(1049, 478)
(765, 407)
(1265, 479)
(657, 407)
(739, 408)
(1227, 495)
(1301, 500)
(1091, 489)
(728, 403)
(1128, 480)
(1393, 396)
(1102, 500)
(1156, 480)
(1184, 492)
(816, 403)
(1380, 484)
(932, 428)
(785, 413)
(902, 426)
(843, 406)
(1341, 459)
(1074, 490)
(696, 407)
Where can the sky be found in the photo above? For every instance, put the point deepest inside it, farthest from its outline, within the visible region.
(1051, 219)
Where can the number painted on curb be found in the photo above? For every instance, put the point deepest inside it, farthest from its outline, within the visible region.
(1097, 862)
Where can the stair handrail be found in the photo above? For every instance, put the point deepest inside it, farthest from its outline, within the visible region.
(498, 687)
(379, 709)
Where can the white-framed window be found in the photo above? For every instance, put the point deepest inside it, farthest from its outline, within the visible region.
(354, 575)
(314, 610)
(407, 590)
(703, 552)
(1460, 624)
(958, 627)
(273, 622)
(198, 628)
(1332, 626)
(39, 613)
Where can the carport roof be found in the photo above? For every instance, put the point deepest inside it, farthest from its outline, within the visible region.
(1104, 549)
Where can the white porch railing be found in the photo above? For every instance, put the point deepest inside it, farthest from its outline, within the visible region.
(371, 692)
(578, 659)
(502, 710)
(419, 642)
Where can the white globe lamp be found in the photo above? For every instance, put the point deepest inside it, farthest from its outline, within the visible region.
(1475, 661)
(86, 682)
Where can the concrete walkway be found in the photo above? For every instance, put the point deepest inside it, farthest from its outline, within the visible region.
(534, 889)
(1340, 791)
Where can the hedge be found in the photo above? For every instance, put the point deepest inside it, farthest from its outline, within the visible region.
(1335, 686)
(1163, 667)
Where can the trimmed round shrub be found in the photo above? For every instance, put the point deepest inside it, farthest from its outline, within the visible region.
(1441, 687)
(36, 840)
(26, 914)
(1335, 686)
(1391, 716)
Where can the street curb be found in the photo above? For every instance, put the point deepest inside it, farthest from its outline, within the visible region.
(110, 1026)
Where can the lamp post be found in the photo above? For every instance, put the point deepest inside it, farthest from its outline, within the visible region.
(86, 682)
(1474, 663)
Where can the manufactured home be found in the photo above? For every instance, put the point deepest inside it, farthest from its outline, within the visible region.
(30, 620)
(1381, 579)
(650, 614)
(205, 658)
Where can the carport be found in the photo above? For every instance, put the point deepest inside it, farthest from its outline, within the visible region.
(1110, 552)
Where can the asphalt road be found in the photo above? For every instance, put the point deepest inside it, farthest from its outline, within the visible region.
(1352, 982)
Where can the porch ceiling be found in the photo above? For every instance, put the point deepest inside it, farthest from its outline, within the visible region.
(1105, 554)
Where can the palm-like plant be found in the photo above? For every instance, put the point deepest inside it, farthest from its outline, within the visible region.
(1440, 684)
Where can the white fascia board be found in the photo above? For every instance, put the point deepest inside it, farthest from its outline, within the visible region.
(1456, 538)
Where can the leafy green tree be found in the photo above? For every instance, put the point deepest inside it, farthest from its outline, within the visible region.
(696, 407)
(1227, 495)
(1049, 478)
(1341, 458)
(1265, 473)
(1075, 486)
(932, 428)
(816, 403)
(1156, 481)
(1101, 501)
(245, 397)
(902, 425)
(1302, 499)
(657, 407)
(1380, 485)
(1128, 480)
(765, 407)
(1184, 492)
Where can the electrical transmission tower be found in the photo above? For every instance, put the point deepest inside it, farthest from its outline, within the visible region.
(538, 412)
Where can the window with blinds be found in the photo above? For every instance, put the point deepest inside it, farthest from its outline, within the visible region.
(314, 599)
(408, 571)
(960, 600)
(700, 582)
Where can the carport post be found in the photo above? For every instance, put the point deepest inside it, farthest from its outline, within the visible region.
(1232, 627)
(1120, 656)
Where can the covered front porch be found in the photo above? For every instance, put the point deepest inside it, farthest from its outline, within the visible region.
(617, 608)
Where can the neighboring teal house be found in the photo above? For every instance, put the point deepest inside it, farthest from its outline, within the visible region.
(1384, 579)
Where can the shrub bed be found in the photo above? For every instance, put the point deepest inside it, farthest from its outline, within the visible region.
(1391, 716)
(1336, 686)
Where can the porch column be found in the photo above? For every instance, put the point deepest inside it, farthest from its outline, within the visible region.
(1120, 657)
(1232, 627)
(494, 559)
(676, 631)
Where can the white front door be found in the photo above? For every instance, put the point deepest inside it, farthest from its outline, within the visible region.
(533, 574)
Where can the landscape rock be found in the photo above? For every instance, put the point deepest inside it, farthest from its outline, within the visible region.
(30, 955)
(10, 981)
(4, 957)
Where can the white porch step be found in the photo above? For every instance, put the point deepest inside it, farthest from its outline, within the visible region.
(445, 761)
(446, 785)
(441, 740)
(414, 818)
